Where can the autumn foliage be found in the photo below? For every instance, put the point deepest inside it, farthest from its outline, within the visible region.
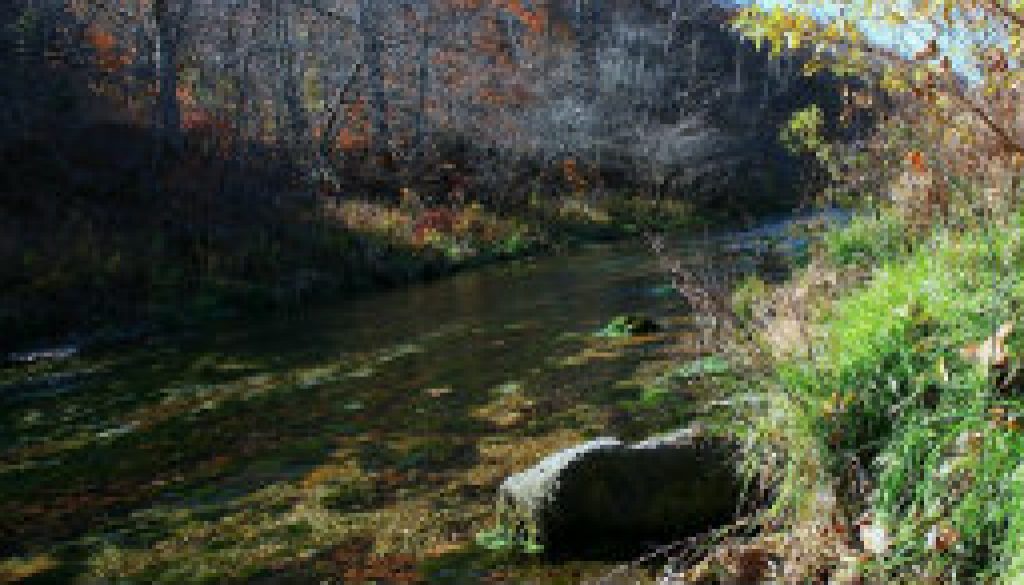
(901, 405)
(954, 95)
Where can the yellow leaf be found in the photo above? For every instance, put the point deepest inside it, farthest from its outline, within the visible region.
(792, 40)
(895, 18)
(812, 66)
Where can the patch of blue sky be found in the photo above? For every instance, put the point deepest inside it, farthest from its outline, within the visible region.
(905, 38)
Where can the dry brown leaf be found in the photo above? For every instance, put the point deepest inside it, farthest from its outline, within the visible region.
(444, 548)
(992, 351)
(942, 538)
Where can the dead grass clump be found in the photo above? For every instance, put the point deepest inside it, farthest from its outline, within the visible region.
(782, 321)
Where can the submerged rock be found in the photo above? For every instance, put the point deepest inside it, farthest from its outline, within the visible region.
(604, 492)
(626, 325)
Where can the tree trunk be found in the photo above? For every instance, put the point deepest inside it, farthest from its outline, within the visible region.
(168, 33)
(280, 134)
(167, 74)
(372, 44)
(694, 56)
(739, 67)
(241, 75)
(423, 63)
(294, 75)
(590, 32)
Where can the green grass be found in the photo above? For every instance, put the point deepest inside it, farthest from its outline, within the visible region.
(867, 240)
(888, 388)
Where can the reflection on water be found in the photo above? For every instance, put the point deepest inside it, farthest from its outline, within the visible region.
(359, 442)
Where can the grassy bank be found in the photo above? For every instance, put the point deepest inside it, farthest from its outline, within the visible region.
(885, 428)
(886, 435)
(94, 263)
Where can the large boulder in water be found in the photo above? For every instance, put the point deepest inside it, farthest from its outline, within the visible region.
(605, 493)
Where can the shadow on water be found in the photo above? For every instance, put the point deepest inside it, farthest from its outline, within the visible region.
(364, 440)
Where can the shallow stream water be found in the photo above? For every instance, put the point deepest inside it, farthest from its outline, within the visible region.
(354, 443)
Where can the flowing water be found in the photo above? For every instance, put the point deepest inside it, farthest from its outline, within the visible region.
(357, 443)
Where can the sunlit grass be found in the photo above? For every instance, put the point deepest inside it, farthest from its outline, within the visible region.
(15, 569)
(918, 440)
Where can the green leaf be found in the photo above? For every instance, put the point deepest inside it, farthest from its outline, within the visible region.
(707, 366)
(654, 394)
(495, 539)
(533, 548)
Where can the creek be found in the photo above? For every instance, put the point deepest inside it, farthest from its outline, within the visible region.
(361, 442)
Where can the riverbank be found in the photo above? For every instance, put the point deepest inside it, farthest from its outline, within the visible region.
(881, 400)
(93, 274)
(882, 390)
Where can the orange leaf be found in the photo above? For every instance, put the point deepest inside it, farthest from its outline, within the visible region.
(100, 39)
(916, 160)
(1013, 424)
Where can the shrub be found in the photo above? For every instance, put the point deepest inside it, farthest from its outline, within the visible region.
(867, 240)
(747, 294)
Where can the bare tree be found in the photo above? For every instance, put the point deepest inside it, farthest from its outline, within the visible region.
(170, 19)
(370, 16)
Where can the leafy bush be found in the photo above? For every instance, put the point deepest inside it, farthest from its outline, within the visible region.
(803, 133)
(649, 213)
(746, 296)
(501, 538)
(867, 240)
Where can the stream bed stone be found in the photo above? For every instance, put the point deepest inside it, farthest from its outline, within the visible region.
(604, 492)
